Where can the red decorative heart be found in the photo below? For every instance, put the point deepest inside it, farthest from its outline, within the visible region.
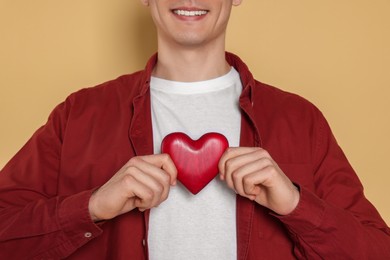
(196, 161)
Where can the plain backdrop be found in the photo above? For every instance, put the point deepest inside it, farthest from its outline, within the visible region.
(334, 53)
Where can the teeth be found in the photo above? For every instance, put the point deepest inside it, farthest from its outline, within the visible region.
(189, 13)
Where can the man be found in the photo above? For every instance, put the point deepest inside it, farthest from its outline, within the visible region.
(92, 183)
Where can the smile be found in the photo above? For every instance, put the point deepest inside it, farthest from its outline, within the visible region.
(190, 13)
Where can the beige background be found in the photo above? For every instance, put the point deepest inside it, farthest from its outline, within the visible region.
(334, 53)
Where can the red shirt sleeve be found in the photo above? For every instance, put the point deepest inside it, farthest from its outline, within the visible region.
(336, 221)
(32, 214)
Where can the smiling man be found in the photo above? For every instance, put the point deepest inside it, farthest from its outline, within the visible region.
(93, 184)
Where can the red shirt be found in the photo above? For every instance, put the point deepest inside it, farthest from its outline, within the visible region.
(45, 188)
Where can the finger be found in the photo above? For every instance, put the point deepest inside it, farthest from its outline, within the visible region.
(226, 161)
(152, 165)
(164, 162)
(245, 157)
(248, 168)
(138, 197)
(170, 167)
(151, 173)
(156, 187)
(266, 178)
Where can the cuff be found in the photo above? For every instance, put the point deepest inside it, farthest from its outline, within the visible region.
(308, 214)
(75, 220)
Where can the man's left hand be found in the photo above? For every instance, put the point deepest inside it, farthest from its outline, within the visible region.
(252, 173)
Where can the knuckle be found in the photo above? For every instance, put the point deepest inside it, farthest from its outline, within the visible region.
(130, 172)
(164, 196)
(165, 157)
(247, 180)
(229, 151)
(127, 179)
(271, 171)
(266, 154)
(134, 161)
(159, 189)
(267, 162)
(148, 195)
(236, 176)
(129, 167)
(229, 165)
(165, 178)
(261, 152)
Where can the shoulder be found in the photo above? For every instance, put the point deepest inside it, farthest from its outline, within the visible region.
(263, 91)
(291, 127)
(119, 89)
(108, 98)
(277, 102)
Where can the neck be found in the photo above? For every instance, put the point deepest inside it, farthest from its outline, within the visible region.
(190, 64)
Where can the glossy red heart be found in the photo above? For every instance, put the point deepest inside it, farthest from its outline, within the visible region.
(196, 161)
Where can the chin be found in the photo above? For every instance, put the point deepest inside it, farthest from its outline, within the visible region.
(190, 40)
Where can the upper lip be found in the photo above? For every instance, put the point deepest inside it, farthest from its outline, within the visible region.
(189, 8)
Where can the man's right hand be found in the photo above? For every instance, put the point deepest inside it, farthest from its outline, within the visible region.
(143, 182)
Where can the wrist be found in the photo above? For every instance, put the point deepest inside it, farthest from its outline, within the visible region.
(295, 198)
(92, 207)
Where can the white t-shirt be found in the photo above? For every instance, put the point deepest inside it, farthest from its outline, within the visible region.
(201, 226)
